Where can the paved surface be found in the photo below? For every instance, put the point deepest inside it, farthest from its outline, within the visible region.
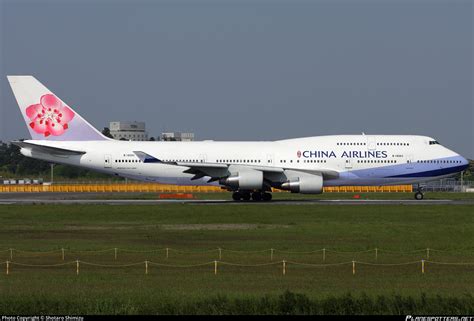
(91, 198)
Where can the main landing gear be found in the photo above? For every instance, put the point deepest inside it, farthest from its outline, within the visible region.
(419, 193)
(240, 196)
(255, 196)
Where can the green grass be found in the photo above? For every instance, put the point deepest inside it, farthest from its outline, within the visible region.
(195, 228)
(290, 196)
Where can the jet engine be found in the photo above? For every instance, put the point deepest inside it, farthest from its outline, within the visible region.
(308, 184)
(244, 180)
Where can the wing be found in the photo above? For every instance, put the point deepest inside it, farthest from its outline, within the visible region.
(217, 171)
(200, 169)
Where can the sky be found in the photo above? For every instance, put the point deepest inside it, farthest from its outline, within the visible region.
(249, 70)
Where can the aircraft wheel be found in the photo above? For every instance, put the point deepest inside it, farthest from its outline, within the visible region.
(419, 196)
(257, 196)
(236, 196)
(246, 196)
(267, 197)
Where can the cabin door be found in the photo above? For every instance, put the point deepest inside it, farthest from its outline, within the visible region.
(107, 161)
(348, 163)
(410, 163)
(371, 143)
(269, 160)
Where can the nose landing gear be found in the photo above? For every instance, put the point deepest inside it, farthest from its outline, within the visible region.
(419, 193)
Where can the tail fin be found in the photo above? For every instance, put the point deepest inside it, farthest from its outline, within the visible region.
(48, 117)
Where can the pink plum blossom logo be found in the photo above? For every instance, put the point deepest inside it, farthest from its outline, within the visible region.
(298, 154)
(50, 116)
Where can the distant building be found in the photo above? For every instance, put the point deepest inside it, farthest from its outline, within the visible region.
(177, 137)
(128, 130)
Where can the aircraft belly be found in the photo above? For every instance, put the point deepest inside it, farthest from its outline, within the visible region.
(165, 174)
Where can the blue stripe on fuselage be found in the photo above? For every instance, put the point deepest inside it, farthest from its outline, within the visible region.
(432, 173)
(439, 167)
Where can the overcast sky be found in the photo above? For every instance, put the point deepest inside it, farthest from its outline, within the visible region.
(249, 70)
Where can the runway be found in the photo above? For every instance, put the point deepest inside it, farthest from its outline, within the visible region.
(91, 199)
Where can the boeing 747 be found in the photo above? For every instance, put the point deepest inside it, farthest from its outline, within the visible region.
(248, 169)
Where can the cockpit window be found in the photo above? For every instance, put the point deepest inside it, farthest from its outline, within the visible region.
(433, 142)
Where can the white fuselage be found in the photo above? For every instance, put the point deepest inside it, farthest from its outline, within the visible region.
(357, 159)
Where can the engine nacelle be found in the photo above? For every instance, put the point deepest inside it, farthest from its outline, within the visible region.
(305, 184)
(244, 180)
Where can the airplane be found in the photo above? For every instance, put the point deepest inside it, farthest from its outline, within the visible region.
(247, 169)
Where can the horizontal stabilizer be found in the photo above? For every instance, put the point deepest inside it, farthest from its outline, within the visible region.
(48, 149)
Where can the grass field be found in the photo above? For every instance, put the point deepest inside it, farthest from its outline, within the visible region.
(194, 232)
(290, 196)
